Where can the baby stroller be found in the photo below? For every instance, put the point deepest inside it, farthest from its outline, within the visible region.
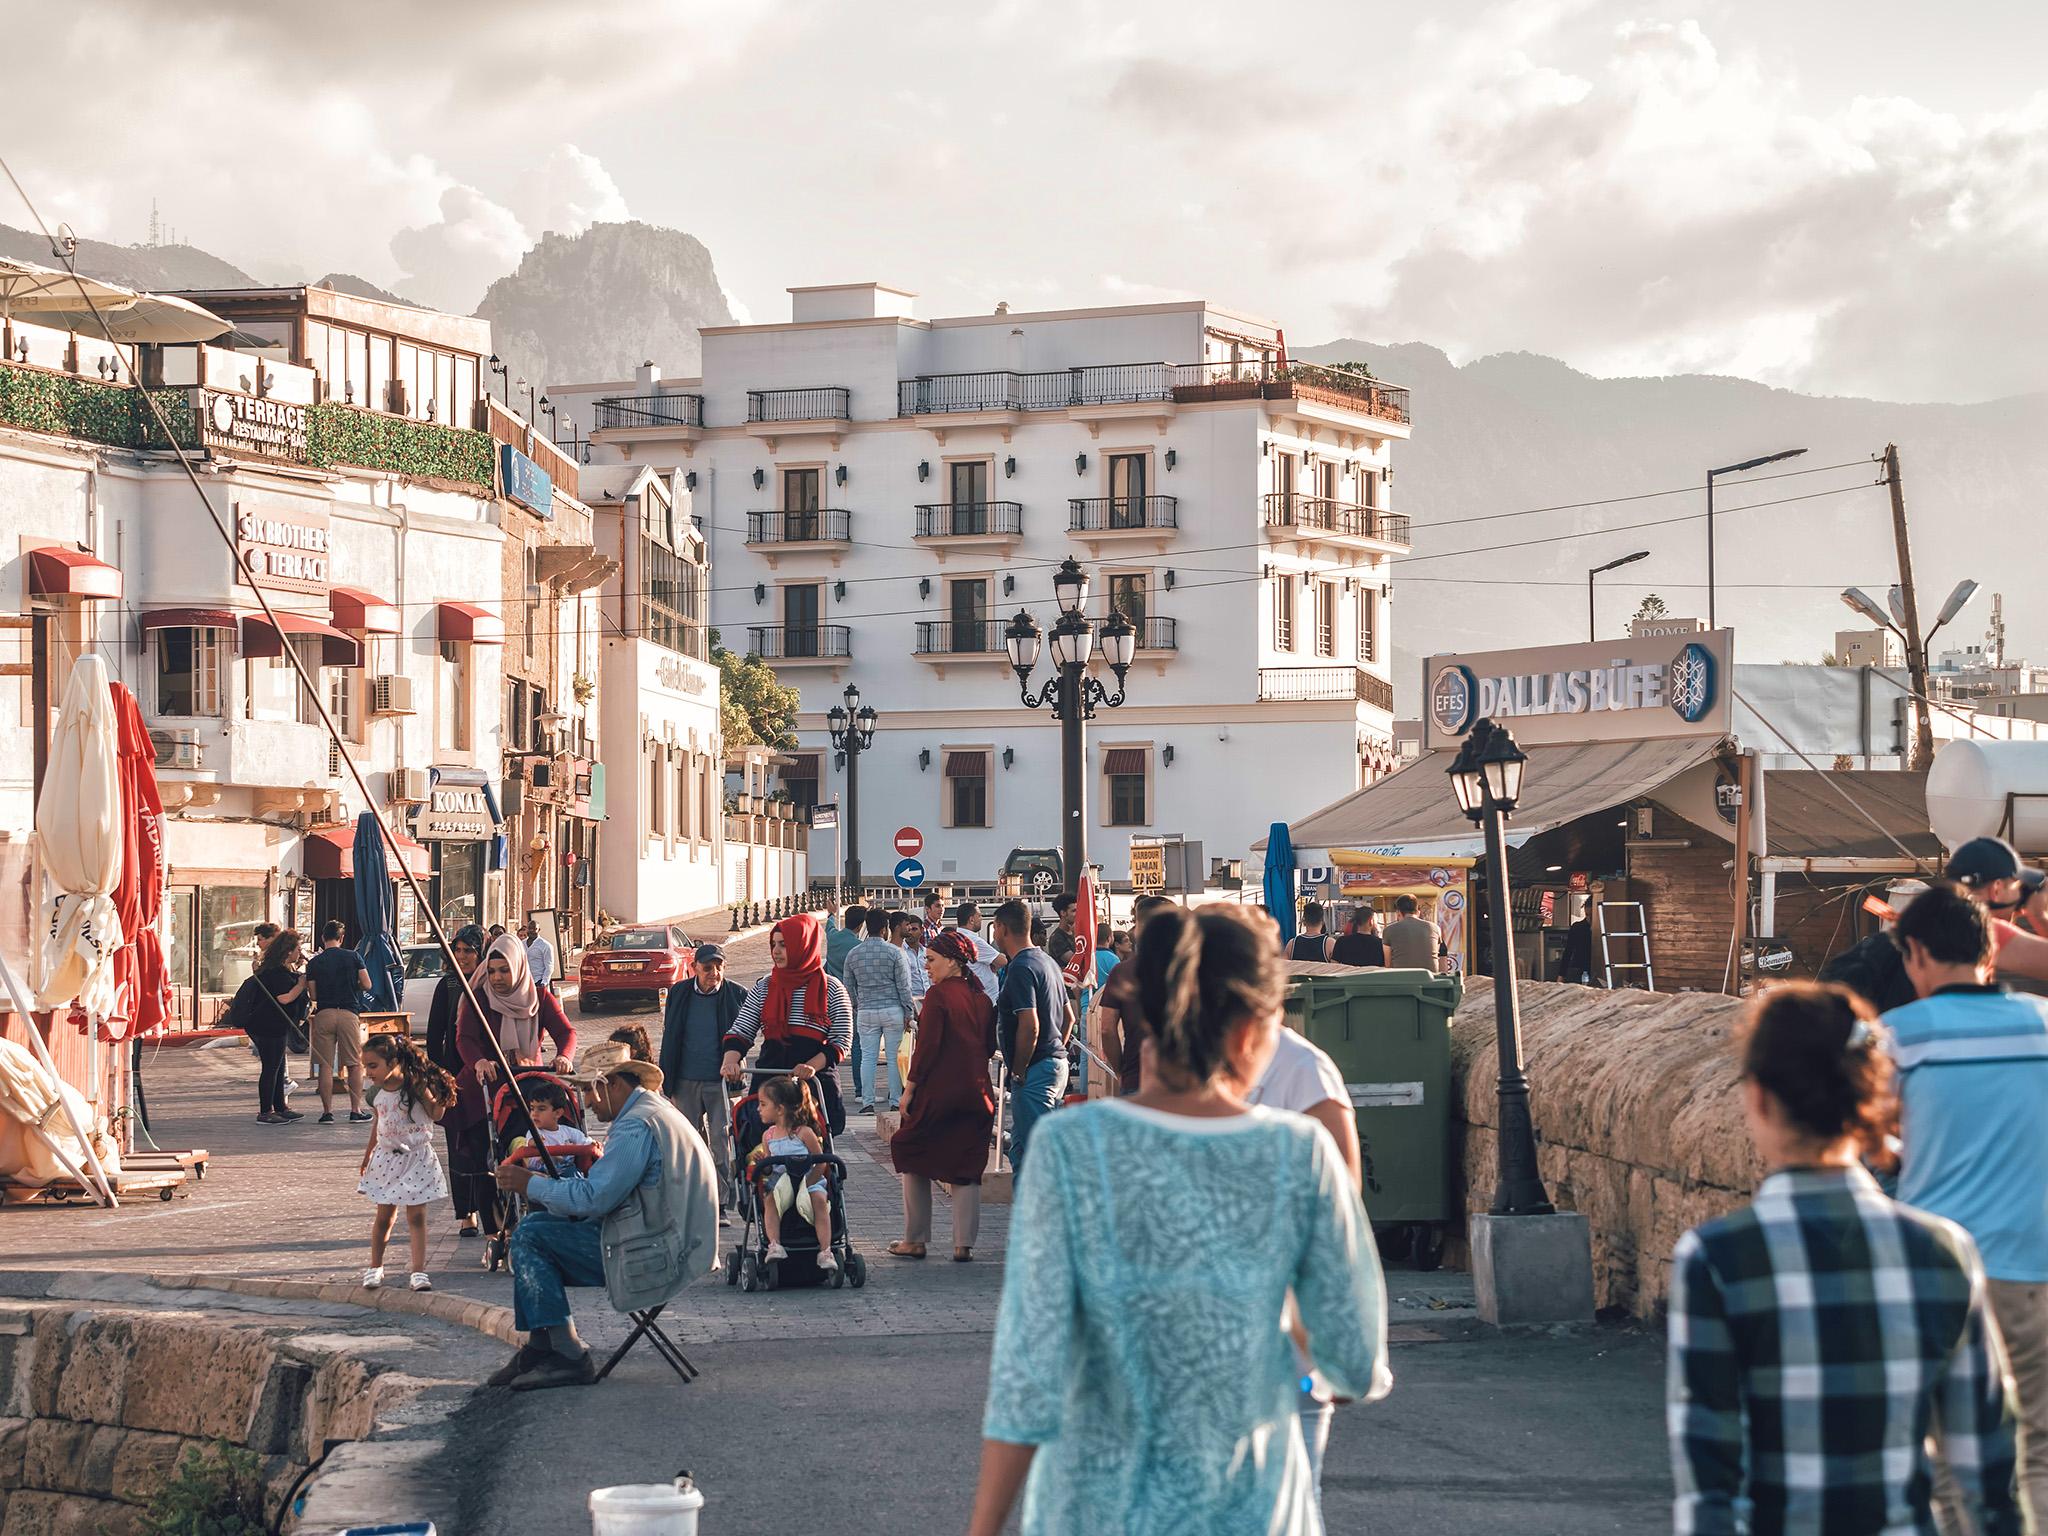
(748, 1266)
(507, 1125)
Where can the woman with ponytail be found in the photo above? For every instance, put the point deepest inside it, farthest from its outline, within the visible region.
(1141, 1343)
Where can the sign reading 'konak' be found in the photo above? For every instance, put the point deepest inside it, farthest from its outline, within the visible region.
(454, 814)
(282, 548)
(1639, 689)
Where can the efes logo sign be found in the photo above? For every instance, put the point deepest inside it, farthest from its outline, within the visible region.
(1628, 690)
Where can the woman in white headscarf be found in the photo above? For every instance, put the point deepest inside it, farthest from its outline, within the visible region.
(529, 1025)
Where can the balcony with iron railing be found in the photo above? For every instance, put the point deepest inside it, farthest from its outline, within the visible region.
(1345, 389)
(794, 643)
(1112, 384)
(826, 403)
(1295, 514)
(975, 521)
(1156, 633)
(813, 528)
(944, 640)
(1299, 684)
(1093, 515)
(649, 414)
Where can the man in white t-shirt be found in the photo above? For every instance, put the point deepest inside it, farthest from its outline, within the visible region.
(1302, 1078)
(987, 958)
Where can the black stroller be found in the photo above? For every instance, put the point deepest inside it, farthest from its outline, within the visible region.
(748, 1265)
(504, 1131)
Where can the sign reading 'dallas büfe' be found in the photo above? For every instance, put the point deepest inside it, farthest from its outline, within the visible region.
(281, 548)
(1638, 689)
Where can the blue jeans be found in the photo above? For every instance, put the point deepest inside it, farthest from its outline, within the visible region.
(870, 1031)
(1034, 1096)
(549, 1255)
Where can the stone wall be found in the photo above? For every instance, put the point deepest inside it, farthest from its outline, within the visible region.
(1638, 1120)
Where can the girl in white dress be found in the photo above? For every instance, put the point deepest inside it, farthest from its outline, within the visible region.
(399, 1166)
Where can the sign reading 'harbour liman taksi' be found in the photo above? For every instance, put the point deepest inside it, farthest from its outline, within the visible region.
(1638, 689)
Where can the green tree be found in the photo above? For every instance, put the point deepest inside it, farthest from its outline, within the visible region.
(1653, 608)
(754, 707)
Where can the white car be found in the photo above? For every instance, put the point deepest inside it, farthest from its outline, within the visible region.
(423, 963)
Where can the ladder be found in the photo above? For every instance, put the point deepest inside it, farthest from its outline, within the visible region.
(1638, 929)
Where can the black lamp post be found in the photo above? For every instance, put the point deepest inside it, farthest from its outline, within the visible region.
(853, 732)
(1731, 469)
(504, 373)
(1486, 776)
(1071, 694)
(1592, 624)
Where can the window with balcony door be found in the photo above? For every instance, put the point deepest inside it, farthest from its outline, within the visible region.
(1283, 613)
(188, 672)
(800, 607)
(1368, 487)
(966, 787)
(1326, 480)
(1368, 612)
(1326, 618)
(1285, 467)
(1125, 774)
(1127, 591)
(800, 504)
(968, 600)
(969, 495)
(452, 699)
(1127, 490)
(344, 695)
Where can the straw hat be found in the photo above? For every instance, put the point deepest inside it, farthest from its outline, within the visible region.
(613, 1058)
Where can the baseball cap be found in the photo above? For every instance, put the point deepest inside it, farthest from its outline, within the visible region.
(708, 954)
(1983, 860)
(2031, 879)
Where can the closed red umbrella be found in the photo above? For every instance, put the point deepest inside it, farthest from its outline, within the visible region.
(144, 992)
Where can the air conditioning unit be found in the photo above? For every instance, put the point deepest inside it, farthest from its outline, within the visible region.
(176, 748)
(409, 786)
(391, 694)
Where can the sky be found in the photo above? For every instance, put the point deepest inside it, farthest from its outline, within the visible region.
(1842, 198)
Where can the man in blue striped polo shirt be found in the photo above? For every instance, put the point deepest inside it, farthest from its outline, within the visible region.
(1973, 1083)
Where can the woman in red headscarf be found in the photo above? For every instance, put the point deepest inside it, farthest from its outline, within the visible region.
(800, 1015)
(948, 1111)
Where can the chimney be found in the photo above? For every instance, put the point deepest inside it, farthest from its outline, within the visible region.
(1002, 306)
(648, 373)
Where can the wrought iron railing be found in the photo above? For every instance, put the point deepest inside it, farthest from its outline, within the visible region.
(831, 403)
(814, 525)
(960, 637)
(797, 642)
(1294, 684)
(964, 519)
(1093, 514)
(1322, 514)
(664, 410)
(1158, 634)
(1129, 383)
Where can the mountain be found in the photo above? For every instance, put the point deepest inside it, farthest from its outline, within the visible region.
(362, 288)
(134, 266)
(594, 305)
(1515, 431)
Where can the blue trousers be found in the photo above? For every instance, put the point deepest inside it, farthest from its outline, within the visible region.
(549, 1255)
(1035, 1095)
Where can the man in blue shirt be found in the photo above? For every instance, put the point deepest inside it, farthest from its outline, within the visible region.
(335, 1035)
(1032, 1022)
(842, 933)
(1973, 1075)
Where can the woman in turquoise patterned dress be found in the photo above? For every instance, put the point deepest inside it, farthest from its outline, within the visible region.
(1142, 1377)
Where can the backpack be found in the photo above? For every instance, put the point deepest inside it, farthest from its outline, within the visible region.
(1874, 969)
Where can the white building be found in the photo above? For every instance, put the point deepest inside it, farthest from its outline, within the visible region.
(881, 493)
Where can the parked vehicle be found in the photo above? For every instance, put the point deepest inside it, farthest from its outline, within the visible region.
(1035, 874)
(635, 963)
(423, 964)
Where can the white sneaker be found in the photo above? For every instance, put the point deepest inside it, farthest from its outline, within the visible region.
(825, 1260)
(420, 1282)
(373, 1278)
(777, 1251)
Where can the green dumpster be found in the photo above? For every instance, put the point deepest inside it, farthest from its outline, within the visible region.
(1389, 1032)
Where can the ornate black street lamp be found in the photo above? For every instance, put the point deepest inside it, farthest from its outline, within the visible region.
(853, 732)
(1486, 776)
(1071, 694)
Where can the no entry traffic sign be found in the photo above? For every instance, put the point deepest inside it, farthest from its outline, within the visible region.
(909, 842)
(909, 874)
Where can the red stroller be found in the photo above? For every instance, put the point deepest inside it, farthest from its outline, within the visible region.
(504, 1131)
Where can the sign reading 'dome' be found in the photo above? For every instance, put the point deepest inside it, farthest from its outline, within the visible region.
(281, 548)
(271, 429)
(1638, 689)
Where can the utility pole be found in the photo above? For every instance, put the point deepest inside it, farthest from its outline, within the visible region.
(1916, 650)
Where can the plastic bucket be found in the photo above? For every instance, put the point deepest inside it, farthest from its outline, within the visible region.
(644, 1509)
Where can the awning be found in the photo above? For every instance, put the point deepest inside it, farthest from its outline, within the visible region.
(467, 624)
(337, 647)
(1124, 760)
(74, 302)
(189, 618)
(353, 608)
(72, 573)
(1805, 817)
(974, 765)
(1413, 811)
(329, 854)
(803, 766)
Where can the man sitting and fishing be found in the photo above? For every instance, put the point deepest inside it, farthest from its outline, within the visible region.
(643, 1224)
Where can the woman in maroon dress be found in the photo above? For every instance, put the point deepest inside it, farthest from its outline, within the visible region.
(948, 1110)
(529, 1025)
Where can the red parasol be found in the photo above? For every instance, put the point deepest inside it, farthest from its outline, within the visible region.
(144, 998)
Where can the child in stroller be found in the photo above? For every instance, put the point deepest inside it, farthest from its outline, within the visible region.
(558, 1117)
(787, 1169)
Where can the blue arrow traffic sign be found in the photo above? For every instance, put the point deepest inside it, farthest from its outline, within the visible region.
(909, 874)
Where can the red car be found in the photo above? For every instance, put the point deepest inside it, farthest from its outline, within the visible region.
(635, 962)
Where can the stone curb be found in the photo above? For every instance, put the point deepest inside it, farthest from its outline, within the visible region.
(483, 1317)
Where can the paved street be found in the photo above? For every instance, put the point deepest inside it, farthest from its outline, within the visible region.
(877, 1392)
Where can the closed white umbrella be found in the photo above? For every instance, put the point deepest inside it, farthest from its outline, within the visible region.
(50, 296)
(78, 843)
(39, 1103)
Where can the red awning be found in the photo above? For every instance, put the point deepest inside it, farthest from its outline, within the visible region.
(966, 765)
(59, 572)
(354, 608)
(189, 618)
(337, 648)
(1124, 760)
(330, 854)
(467, 624)
(801, 767)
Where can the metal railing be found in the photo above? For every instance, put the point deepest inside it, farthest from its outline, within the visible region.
(1129, 383)
(813, 525)
(1093, 514)
(1322, 514)
(751, 914)
(1251, 379)
(965, 519)
(664, 410)
(1158, 634)
(936, 394)
(829, 403)
(790, 642)
(1294, 684)
(954, 637)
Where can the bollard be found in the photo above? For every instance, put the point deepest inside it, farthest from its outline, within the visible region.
(646, 1509)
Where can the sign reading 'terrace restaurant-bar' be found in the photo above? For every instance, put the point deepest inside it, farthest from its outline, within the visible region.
(1638, 689)
(269, 429)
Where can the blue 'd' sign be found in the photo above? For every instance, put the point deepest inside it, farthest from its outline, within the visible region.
(525, 482)
(909, 874)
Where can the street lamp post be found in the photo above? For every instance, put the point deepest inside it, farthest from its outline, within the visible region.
(1919, 651)
(1486, 776)
(504, 372)
(853, 732)
(1592, 625)
(1731, 469)
(1071, 695)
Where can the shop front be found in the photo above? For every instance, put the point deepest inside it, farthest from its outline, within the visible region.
(459, 825)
